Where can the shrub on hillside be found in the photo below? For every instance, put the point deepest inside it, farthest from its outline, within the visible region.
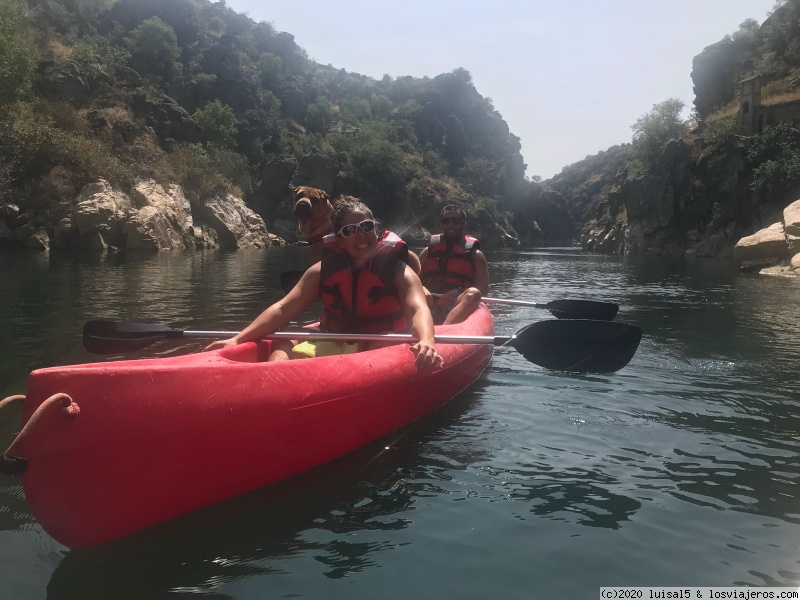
(775, 156)
(269, 68)
(217, 121)
(319, 116)
(154, 49)
(355, 111)
(234, 167)
(194, 168)
(379, 170)
(17, 57)
(434, 162)
(38, 144)
(98, 55)
(380, 105)
(718, 134)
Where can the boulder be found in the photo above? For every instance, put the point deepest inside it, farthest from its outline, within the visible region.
(26, 231)
(163, 220)
(101, 212)
(205, 237)
(149, 229)
(791, 226)
(167, 118)
(236, 225)
(767, 244)
(40, 240)
(127, 77)
(22, 219)
(64, 233)
(8, 211)
(62, 81)
(780, 271)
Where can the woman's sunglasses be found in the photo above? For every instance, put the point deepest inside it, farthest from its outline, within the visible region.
(452, 220)
(350, 230)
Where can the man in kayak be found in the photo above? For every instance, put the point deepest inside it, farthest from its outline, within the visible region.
(454, 271)
(364, 284)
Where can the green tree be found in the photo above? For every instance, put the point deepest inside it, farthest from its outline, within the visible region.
(218, 122)
(269, 69)
(319, 116)
(355, 111)
(86, 11)
(154, 48)
(380, 105)
(775, 157)
(652, 131)
(17, 56)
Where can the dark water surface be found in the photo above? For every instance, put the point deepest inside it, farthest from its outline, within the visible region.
(680, 470)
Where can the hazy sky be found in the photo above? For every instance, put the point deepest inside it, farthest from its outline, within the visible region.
(570, 77)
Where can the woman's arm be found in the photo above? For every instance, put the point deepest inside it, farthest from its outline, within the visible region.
(280, 313)
(416, 308)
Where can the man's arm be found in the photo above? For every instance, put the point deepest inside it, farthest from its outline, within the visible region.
(414, 262)
(423, 256)
(481, 279)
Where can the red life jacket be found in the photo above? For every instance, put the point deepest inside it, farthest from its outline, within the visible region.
(446, 270)
(364, 301)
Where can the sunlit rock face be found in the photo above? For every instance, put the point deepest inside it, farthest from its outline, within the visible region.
(153, 217)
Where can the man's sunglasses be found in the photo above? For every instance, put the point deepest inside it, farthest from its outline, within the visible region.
(452, 220)
(347, 231)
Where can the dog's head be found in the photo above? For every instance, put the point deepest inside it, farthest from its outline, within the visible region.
(307, 202)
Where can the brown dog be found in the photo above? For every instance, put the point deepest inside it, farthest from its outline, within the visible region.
(312, 208)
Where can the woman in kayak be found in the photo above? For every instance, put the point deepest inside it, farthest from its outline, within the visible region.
(364, 284)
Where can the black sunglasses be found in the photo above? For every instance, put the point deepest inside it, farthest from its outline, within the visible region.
(452, 220)
(350, 230)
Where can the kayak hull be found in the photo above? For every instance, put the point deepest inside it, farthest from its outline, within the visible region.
(158, 438)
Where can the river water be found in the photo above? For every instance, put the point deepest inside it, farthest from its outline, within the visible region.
(682, 469)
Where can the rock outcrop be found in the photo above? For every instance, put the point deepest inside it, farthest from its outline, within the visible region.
(690, 204)
(774, 250)
(152, 217)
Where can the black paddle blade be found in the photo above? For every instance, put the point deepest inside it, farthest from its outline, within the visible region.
(578, 345)
(110, 337)
(289, 279)
(583, 309)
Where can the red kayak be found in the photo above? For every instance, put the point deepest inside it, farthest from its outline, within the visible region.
(157, 438)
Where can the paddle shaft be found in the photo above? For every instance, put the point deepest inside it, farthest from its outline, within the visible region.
(487, 300)
(569, 345)
(349, 337)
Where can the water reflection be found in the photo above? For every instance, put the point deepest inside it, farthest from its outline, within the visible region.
(578, 493)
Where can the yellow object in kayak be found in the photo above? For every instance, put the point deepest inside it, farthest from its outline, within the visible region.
(317, 348)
